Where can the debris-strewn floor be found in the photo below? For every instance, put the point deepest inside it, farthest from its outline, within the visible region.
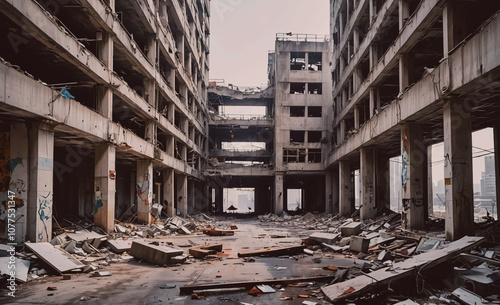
(307, 259)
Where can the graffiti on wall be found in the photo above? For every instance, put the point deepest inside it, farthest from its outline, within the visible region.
(45, 215)
(405, 160)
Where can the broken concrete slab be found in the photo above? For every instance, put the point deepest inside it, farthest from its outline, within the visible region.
(326, 238)
(274, 251)
(352, 228)
(190, 288)
(119, 245)
(184, 230)
(21, 267)
(81, 236)
(159, 255)
(364, 283)
(57, 258)
(464, 296)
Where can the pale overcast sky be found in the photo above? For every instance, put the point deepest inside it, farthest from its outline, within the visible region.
(243, 31)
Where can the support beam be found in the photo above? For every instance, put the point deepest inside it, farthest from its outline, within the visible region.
(404, 12)
(328, 192)
(169, 192)
(367, 172)
(144, 179)
(356, 117)
(346, 190)
(279, 192)
(19, 176)
(41, 155)
(459, 220)
(105, 187)
(414, 159)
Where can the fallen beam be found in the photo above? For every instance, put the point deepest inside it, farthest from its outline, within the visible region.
(364, 283)
(274, 251)
(188, 289)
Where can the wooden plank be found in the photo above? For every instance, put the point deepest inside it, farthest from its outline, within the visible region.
(188, 289)
(362, 284)
(274, 251)
(57, 258)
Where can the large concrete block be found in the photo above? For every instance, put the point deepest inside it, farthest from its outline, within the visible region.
(353, 228)
(326, 238)
(359, 244)
(159, 255)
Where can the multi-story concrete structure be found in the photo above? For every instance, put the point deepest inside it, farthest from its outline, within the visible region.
(131, 130)
(408, 74)
(488, 184)
(292, 132)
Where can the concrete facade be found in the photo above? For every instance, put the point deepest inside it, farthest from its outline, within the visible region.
(101, 103)
(406, 75)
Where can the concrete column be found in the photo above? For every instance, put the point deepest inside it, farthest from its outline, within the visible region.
(41, 168)
(346, 188)
(190, 196)
(105, 50)
(342, 131)
(169, 192)
(179, 44)
(430, 186)
(151, 49)
(356, 117)
(144, 179)
(219, 199)
(374, 55)
(19, 178)
(367, 185)
(150, 92)
(496, 139)
(187, 64)
(171, 80)
(150, 132)
(328, 192)
(414, 158)
(104, 187)
(373, 101)
(459, 220)
(335, 191)
(404, 12)
(341, 26)
(105, 101)
(355, 38)
(182, 193)
(279, 193)
(372, 10)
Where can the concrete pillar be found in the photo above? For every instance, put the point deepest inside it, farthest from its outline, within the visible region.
(367, 185)
(459, 220)
(414, 159)
(406, 70)
(342, 131)
(104, 187)
(151, 49)
(41, 168)
(190, 196)
(372, 10)
(279, 194)
(335, 191)
(150, 132)
(105, 101)
(179, 44)
(372, 101)
(144, 180)
(182, 193)
(187, 64)
(105, 51)
(346, 189)
(496, 139)
(150, 92)
(356, 117)
(219, 199)
(19, 178)
(430, 186)
(355, 38)
(374, 55)
(328, 192)
(404, 12)
(169, 192)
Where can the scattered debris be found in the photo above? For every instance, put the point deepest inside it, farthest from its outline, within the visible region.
(57, 258)
(154, 254)
(274, 251)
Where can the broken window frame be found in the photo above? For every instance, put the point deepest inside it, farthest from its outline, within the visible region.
(297, 111)
(315, 88)
(297, 136)
(294, 155)
(314, 111)
(314, 155)
(297, 88)
(297, 61)
(314, 136)
(315, 61)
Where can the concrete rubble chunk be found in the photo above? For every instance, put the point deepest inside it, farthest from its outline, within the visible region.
(364, 283)
(119, 245)
(159, 255)
(326, 238)
(350, 229)
(21, 268)
(359, 244)
(465, 296)
(57, 258)
(308, 216)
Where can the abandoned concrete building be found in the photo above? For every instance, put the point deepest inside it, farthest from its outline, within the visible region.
(115, 146)
(106, 105)
(103, 105)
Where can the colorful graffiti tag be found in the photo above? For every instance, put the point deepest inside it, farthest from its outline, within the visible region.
(45, 215)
